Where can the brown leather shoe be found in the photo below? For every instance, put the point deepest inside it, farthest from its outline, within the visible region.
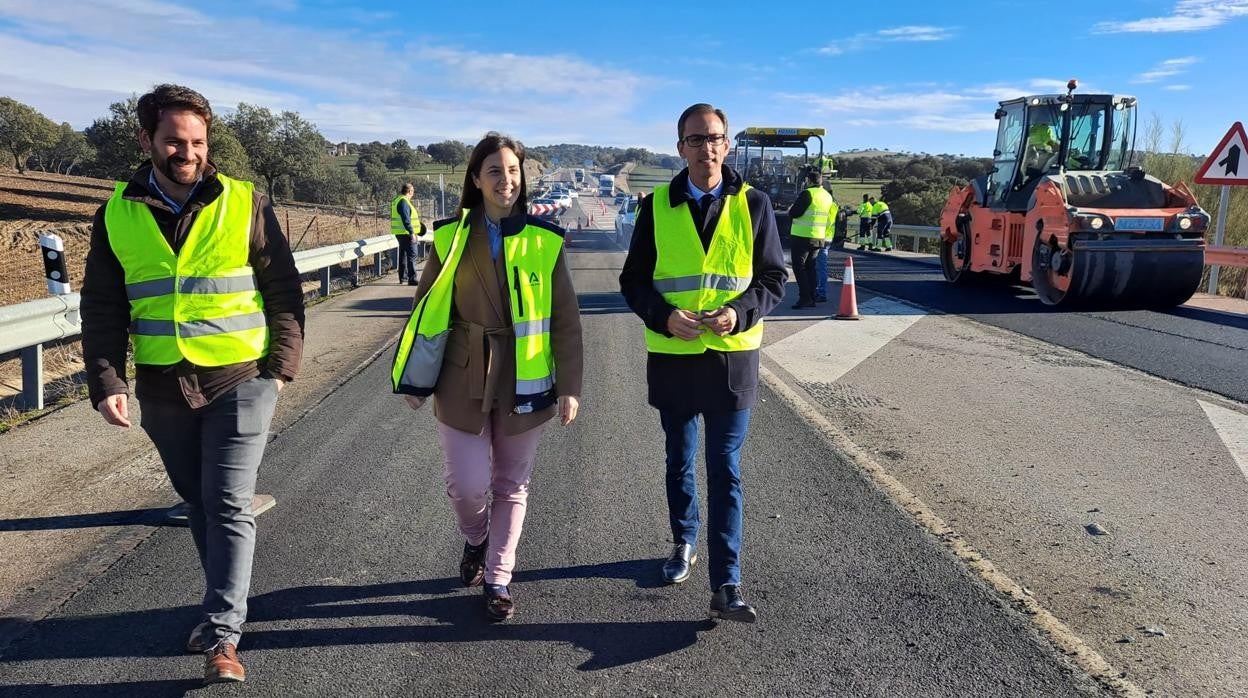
(222, 666)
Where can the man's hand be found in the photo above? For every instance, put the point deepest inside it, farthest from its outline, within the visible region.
(721, 320)
(115, 410)
(569, 405)
(684, 324)
(280, 384)
(414, 401)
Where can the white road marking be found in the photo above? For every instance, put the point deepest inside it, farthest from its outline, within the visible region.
(1232, 428)
(829, 349)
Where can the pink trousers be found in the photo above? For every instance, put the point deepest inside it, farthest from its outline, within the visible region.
(487, 480)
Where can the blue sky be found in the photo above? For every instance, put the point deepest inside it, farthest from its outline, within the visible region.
(916, 76)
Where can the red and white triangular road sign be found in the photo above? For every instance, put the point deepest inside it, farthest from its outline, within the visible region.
(1228, 163)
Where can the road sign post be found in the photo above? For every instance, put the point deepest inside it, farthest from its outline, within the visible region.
(1227, 165)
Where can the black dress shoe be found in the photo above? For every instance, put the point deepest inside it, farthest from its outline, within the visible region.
(727, 604)
(800, 305)
(676, 568)
(499, 605)
(472, 564)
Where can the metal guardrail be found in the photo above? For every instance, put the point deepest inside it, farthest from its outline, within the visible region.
(28, 326)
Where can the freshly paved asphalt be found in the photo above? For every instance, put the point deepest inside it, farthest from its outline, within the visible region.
(1199, 348)
(355, 590)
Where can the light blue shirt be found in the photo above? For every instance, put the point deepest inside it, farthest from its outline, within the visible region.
(697, 194)
(176, 207)
(496, 237)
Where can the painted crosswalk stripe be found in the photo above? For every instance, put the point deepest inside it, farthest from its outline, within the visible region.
(1232, 428)
(829, 349)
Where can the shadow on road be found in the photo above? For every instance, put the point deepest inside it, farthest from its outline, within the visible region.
(458, 616)
(126, 689)
(130, 517)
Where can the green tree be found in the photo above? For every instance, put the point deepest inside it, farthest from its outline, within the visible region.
(376, 177)
(277, 146)
(329, 184)
(227, 152)
(67, 150)
(402, 157)
(115, 140)
(23, 131)
(449, 153)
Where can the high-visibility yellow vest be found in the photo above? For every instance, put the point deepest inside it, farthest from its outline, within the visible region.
(818, 216)
(1040, 136)
(396, 221)
(529, 255)
(698, 280)
(864, 210)
(878, 208)
(201, 304)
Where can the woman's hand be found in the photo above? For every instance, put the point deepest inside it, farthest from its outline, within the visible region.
(414, 401)
(569, 405)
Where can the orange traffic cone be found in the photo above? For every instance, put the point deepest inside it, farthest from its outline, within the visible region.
(849, 297)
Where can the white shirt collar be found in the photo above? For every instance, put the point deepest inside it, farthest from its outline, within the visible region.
(697, 194)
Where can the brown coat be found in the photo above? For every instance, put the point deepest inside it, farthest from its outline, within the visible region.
(479, 367)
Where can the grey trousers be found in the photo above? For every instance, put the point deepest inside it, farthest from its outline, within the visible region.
(212, 455)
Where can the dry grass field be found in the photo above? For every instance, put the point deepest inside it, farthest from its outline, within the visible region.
(36, 202)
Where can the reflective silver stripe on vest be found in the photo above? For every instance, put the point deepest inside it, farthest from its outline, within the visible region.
(149, 289)
(535, 386)
(237, 323)
(678, 284)
(152, 328)
(532, 327)
(217, 284)
(726, 283)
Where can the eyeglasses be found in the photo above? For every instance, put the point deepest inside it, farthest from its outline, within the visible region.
(697, 140)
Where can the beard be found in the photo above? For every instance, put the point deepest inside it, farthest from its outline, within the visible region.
(168, 167)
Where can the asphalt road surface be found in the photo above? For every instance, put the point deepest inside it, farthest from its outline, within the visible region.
(355, 589)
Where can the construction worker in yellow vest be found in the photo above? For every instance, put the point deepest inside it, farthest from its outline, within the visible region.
(864, 222)
(191, 267)
(704, 266)
(825, 165)
(883, 226)
(404, 224)
(813, 213)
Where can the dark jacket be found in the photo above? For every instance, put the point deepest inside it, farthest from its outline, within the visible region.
(712, 380)
(106, 311)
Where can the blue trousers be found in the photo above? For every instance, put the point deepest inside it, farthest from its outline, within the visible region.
(821, 273)
(725, 434)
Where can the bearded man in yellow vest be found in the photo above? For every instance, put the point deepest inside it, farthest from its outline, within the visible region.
(703, 268)
(192, 268)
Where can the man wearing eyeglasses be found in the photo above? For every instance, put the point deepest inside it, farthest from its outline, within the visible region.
(703, 268)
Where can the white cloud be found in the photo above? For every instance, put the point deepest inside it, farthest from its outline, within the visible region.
(1177, 88)
(351, 83)
(907, 33)
(1187, 16)
(1166, 69)
(963, 110)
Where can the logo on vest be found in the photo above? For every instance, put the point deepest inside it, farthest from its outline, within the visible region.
(534, 280)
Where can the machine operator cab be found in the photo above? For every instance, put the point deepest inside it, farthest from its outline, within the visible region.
(1051, 135)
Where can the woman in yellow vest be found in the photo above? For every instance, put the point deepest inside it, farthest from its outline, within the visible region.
(495, 338)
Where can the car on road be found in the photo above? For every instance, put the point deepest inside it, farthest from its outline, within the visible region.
(561, 198)
(626, 218)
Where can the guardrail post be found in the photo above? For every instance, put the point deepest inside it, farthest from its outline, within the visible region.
(324, 281)
(355, 272)
(377, 265)
(32, 377)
